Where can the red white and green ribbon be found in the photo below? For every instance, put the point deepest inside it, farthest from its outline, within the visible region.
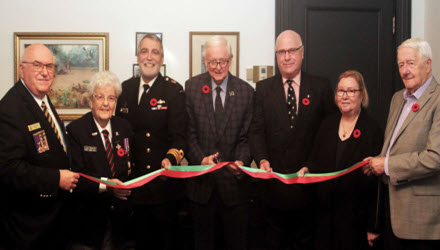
(192, 171)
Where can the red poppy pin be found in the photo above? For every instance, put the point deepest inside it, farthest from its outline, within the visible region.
(205, 89)
(121, 152)
(306, 101)
(415, 107)
(356, 133)
(153, 102)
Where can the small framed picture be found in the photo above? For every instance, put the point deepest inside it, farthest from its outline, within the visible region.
(136, 73)
(140, 35)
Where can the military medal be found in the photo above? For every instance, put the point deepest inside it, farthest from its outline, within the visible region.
(40, 140)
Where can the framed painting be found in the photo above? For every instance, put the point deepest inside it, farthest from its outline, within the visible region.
(140, 35)
(163, 70)
(78, 57)
(197, 42)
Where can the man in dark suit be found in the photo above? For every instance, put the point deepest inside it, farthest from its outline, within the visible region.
(34, 161)
(155, 108)
(288, 111)
(100, 148)
(219, 107)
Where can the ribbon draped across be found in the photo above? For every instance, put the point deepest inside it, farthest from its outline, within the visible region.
(196, 170)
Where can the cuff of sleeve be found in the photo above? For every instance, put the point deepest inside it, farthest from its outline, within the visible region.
(386, 166)
(102, 187)
(172, 159)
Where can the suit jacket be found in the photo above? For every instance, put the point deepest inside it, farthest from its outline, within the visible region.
(287, 149)
(231, 142)
(32, 203)
(89, 157)
(345, 206)
(156, 131)
(414, 165)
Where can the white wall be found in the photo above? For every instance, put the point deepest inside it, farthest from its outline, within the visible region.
(254, 19)
(425, 24)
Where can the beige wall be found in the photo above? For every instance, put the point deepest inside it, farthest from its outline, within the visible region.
(432, 33)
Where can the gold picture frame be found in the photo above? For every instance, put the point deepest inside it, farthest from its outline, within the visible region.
(196, 43)
(78, 56)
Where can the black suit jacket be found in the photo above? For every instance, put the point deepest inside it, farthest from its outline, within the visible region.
(32, 203)
(287, 149)
(89, 157)
(231, 143)
(346, 206)
(155, 132)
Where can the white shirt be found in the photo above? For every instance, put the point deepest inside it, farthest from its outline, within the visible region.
(141, 87)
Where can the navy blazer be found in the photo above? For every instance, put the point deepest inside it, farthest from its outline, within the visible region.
(287, 149)
(32, 205)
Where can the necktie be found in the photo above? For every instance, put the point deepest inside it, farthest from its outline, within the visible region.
(218, 109)
(52, 124)
(109, 152)
(291, 103)
(143, 102)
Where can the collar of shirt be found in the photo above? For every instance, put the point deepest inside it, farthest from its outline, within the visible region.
(419, 92)
(296, 80)
(223, 86)
(296, 83)
(141, 87)
(109, 129)
(38, 100)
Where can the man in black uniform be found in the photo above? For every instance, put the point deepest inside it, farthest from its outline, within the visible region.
(155, 107)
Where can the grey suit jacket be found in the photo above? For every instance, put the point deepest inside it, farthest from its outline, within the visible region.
(414, 167)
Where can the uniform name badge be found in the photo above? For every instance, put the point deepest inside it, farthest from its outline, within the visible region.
(40, 140)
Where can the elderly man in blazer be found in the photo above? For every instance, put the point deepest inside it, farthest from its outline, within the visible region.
(219, 107)
(289, 108)
(410, 157)
(34, 160)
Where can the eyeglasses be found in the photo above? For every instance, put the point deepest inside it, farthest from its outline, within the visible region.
(38, 67)
(291, 52)
(349, 92)
(101, 98)
(213, 64)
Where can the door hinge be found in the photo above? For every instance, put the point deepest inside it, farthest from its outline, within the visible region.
(394, 25)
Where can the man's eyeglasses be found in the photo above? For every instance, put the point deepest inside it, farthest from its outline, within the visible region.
(38, 67)
(101, 98)
(291, 52)
(213, 64)
(349, 92)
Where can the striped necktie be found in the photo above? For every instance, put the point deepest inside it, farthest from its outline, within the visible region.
(109, 152)
(52, 123)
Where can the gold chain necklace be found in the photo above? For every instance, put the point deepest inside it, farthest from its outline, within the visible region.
(353, 123)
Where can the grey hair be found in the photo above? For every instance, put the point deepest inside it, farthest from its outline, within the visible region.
(154, 38)
(421, 46)
(216, 41)
(103, 79)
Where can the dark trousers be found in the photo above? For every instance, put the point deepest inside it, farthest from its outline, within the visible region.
(156, 226)
(287, 229)
(234, 222)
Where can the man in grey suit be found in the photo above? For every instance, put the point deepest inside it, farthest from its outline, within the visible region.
(219, 107)
(410, 157)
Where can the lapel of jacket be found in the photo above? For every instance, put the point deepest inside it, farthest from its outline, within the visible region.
(94, 134)
(39, 115)
(422, 101)
(230, 100)
(133, 92)
(392, 121)
(278, 96)
(207, 100)
(305, 91)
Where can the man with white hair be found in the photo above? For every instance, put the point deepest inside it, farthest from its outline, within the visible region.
(219, 107)
(410, 158)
